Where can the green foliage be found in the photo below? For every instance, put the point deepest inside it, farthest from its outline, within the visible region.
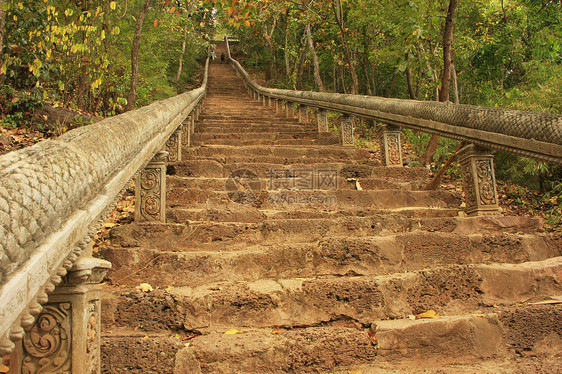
(78, 54)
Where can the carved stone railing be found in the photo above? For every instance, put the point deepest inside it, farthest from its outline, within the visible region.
(54, 196)
(531, 134)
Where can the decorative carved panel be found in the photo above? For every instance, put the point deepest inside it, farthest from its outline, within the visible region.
(150, 193)
(347, 131)
(173, 147)
(479, 181)
(47, 346)
(322, 120)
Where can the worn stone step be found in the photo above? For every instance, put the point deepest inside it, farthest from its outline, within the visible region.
(510, 339)
(323, 349)
(320, 140)
(326, 153)
(305, 200)
(216, 184)
(284, 160)
(214, 168)
(297, 302)
(251, 125)
(227, 236)
(335, 256)
(139, 353)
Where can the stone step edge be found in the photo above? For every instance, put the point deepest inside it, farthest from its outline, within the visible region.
(451, 340)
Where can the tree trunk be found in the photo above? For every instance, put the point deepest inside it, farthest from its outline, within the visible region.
(409, 78)
(338, 11)
(2, 37)
(135, 57)
(446, 80)
(447, 52)
(180, 65)
(286, 51)
(317, 77)
(455, 83)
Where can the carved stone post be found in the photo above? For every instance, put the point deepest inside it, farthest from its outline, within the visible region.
(150, 190)
(280, 105)
(346, 129)
(303, 114)
(322, 120)
(192, 126)
(391, 147)
(289, 109)
(66, 335)
(186, 132)
(173, 146)
(264, 100)
(270, 102)
(479, 181)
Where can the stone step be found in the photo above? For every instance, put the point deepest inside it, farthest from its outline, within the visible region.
(327, 153)
(139, 353)
(327, 349)
(230, 236)
(214, 168)
(214, 138)
(317, 140)
(299, 302)
(501, 340)
(216, 184)
(253, 214)
(334, 256)
(280, 160)
(311, 200)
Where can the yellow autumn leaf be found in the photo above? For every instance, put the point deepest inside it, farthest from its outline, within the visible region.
(429, 314)
(4, 368)
(233, 332)
(145, 287)
(102, 37)
(113, 5)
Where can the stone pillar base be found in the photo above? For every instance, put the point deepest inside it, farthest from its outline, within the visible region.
(391, 147)
(303, 114)
(289, 109)
(66, 335)
(150, 190)
(322, 120)
(479, 181)
(173, 146)
(346, 131)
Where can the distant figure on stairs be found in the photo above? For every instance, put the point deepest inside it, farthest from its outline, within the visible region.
(222, 57)
(213, 56)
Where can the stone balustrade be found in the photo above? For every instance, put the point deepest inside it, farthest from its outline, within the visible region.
(54, 196)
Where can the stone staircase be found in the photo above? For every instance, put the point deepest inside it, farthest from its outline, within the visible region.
(285, 252)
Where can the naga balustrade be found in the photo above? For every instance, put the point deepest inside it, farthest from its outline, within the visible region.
(530, 134)
(54, 196)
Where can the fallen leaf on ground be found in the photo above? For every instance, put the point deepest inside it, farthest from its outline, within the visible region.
(145, 287)
(429, 314)
(358, 186)
(233, 332)
(354, 372)
(276, 331)
(4, 368)
(190, 337)
(412, 317)
(372, 337)
(478, 315)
